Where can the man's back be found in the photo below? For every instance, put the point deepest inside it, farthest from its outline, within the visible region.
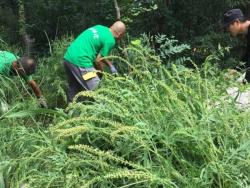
(6, 60)
(84, 49)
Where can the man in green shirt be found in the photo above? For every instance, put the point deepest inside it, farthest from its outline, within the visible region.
(87, 51)
(11, 65)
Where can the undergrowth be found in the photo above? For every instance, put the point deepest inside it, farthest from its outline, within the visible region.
(154, 126)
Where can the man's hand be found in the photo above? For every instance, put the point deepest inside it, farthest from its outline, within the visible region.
(99, 63)
(43, 102)
(113, 69)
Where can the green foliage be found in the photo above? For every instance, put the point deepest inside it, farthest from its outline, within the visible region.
(184, 19)
(154, 127)
(208, 44)
(169, 50)
(51, 73)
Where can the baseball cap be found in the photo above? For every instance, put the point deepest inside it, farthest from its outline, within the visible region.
(232, 15)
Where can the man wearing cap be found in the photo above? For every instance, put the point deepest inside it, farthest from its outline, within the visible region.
(236, 24)
(12, 65)
(88, 51)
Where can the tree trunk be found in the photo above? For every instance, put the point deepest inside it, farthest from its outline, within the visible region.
(118, 12)
(27, 42)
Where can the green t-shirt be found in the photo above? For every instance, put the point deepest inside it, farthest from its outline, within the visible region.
(85, 48)
(6, 60)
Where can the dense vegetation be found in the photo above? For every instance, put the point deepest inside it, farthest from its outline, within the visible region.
(188, 20)
(164, 121)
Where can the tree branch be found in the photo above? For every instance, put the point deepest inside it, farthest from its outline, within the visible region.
(118, 12)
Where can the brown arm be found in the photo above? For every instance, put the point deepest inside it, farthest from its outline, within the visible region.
(35, 88)
(100, 61)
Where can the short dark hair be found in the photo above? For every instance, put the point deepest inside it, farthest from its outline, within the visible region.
(27, 64)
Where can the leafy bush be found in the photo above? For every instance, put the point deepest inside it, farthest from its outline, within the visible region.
(169, 50)
(208, 44)
(51, 73)
(154, 127)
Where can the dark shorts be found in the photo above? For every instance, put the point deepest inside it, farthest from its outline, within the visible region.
(76, 82)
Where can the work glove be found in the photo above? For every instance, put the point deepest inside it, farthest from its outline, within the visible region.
(43, 103)
(113, 69)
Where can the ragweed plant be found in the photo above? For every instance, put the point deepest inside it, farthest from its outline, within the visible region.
(156, 126)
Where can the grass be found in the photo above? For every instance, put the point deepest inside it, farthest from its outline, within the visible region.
(155, 127)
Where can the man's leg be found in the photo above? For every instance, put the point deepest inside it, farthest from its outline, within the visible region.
(76, 81)
(247, 77)
(73, 86)
(91, 83)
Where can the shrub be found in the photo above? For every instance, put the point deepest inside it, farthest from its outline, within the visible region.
(154, 127)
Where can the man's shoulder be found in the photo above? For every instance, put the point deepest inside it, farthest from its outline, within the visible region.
(97, 29)
(8, 55)
(100, 28)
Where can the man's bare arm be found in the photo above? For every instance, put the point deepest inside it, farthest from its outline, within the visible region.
(100, 60)
(35, 88)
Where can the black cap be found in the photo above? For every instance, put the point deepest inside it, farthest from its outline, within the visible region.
(232, 15)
